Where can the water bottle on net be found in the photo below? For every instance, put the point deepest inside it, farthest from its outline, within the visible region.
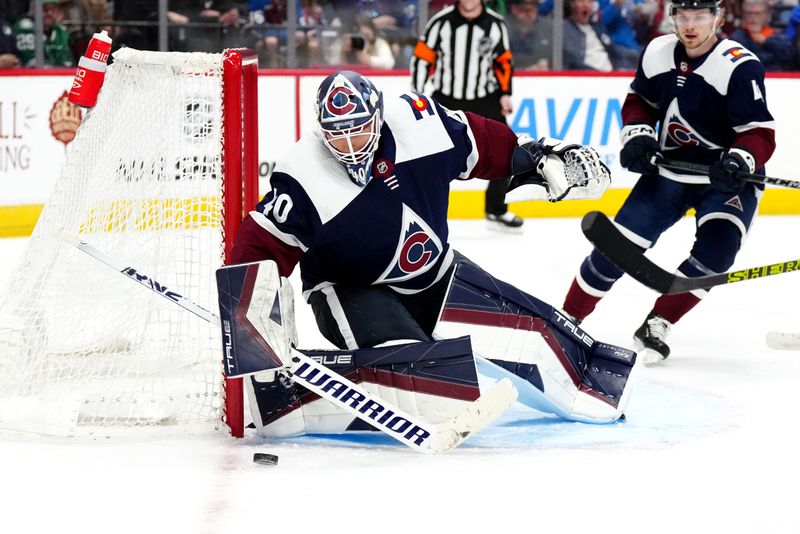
(91, 71)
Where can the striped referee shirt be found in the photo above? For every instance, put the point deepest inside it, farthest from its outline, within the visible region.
(462, 58)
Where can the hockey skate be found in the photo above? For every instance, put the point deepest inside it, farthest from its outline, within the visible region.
(506, 222)
(649, 339)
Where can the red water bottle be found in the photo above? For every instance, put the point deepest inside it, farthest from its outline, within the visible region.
(91, 71)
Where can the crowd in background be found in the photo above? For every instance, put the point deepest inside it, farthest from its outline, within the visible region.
(379, 34)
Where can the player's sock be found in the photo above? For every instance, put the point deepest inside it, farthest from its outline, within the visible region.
(578, 303)
(673, 307)
(650, 339)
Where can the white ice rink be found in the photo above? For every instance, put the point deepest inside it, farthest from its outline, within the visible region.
(710, 444)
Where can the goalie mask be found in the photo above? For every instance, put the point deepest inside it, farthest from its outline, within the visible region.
(349, 112)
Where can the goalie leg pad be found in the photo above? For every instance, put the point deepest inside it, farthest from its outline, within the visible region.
(556, 366)
(257, 317)
(431, 380)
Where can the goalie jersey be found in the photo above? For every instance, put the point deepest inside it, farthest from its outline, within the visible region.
(704, 105)
(394, 230)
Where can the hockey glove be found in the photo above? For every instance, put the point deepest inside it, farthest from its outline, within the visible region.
(726, 175)
(639, 145)
(551, 170)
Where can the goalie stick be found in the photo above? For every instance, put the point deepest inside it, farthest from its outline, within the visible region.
(697, 167)
(608, 240)
(429, 438)
(783, 340)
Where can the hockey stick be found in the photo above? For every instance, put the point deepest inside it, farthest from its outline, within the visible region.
(430, 438)
(748, 177)
(783, 340)
(629, 257)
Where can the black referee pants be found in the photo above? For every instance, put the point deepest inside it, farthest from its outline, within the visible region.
(488, 107)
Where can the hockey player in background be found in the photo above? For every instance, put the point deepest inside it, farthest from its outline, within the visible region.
(361, 204)
(708, 96)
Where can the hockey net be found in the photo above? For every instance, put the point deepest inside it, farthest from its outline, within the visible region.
(157, 176)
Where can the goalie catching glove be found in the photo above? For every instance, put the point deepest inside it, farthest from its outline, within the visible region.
(552, 170)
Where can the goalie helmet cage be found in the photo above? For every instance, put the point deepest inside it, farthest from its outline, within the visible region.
(161, 173)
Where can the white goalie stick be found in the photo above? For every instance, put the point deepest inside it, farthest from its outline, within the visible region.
(783, 340)
(429, 438)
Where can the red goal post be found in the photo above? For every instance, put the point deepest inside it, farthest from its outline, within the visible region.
(240, 153)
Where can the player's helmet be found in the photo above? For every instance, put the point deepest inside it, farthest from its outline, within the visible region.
(350, 109)
(713, 5)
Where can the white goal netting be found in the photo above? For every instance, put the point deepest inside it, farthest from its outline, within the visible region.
(83, 349)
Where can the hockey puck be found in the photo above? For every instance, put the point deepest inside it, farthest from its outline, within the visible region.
(265, 459)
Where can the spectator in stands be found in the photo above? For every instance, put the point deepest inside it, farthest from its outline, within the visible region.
(498, 6)
(650, 22)
(793, 34)
(268, 41)
(434, 6)
(56, 37)
(367, 48)
(310, 18)
(587, 45)
(616, 16)
(395, 21)
(530, 36)
(732, 16)
(84, 18)
(141, 37)
(16, 9)
(768, 44)
(202, 39)
(9, 55)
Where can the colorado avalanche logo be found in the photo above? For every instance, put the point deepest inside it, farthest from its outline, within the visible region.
(343, 104)
(340, 101)
(678, 132)
(418, 249)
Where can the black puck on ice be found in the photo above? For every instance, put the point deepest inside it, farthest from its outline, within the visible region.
(265, 459)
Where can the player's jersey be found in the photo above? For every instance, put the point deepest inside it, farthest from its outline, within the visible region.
(394, 230)
(704, 105)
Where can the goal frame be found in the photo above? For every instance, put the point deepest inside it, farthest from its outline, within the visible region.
(240, 172)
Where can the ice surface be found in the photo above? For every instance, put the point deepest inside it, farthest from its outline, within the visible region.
(710, 444)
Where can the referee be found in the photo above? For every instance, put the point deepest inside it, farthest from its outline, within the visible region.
(463, 61)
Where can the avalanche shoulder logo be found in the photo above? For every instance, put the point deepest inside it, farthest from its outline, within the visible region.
(417, 251)
(678, 132)
(736, 53)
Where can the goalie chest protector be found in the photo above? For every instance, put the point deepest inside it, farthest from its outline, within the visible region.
(392, 231)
